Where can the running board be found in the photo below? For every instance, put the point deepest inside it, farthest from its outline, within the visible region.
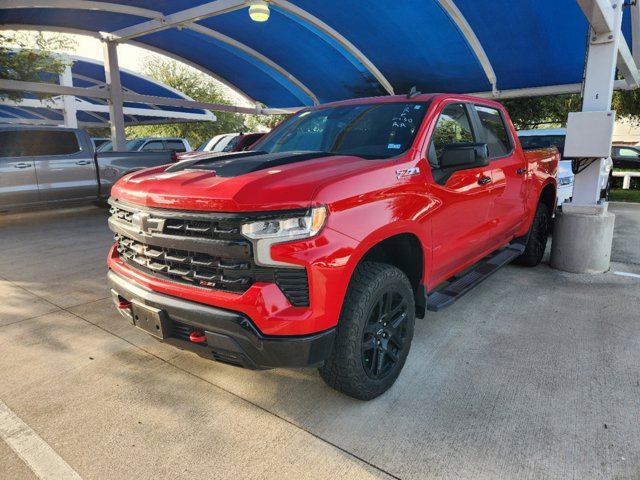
(458, 286)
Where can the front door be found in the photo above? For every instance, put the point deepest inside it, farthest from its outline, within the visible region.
(461, 226)
(18, 183)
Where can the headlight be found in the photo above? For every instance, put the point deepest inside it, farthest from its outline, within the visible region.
(565, 181)
(286, 228)
(266, 233)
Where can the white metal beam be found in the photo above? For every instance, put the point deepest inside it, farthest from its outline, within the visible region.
(627, 65)
(542, 91)
(599, 81)
(84, 106)
(116, 114)
(337, 37)
(53, 89)
(175, 19)
(255, 54)
(82, 5)
(600, 15)
(178, 102)
(68, 101)
(456, 15)
(634, 12)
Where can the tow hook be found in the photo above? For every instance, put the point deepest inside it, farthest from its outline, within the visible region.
(197, 337)
(123, 305)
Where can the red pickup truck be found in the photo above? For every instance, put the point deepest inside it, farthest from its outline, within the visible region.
(321, 245)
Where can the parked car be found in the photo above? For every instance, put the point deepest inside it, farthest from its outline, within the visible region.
(150, 145)
(229, 142)
(624, 156)
(97, 141)
(552, 137)
(47, 165)
(321, 247)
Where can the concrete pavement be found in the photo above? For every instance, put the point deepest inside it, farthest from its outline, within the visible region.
(534, 374)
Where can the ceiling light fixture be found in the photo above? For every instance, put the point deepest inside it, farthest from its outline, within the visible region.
(259, 10)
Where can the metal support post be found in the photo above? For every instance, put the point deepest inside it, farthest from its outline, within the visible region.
(116, 114)
(583, 233)
(68, 101)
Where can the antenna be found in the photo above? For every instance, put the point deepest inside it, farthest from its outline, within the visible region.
(413, 92)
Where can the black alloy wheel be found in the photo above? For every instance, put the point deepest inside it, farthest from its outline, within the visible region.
(374, 332)
(384, 334)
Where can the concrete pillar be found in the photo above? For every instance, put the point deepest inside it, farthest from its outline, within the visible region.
(582, 238)
(116, 114)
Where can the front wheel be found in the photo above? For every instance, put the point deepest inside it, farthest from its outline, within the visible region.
(374, 332)
(536, 240)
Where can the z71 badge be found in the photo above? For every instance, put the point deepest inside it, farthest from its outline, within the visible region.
(407, 172)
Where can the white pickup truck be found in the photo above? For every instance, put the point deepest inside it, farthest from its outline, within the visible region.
(555, 137)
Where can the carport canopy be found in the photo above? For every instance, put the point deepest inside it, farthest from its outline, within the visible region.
(94, 112)
(314, 52)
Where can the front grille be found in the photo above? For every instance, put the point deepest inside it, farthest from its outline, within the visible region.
(198, 249)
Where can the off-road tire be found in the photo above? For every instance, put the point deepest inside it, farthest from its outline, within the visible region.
(360, 336)
(536, 240)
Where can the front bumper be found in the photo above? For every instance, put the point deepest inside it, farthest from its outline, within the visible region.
(231, 337)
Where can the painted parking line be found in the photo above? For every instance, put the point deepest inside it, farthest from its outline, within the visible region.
(43, 461)
(627, 274)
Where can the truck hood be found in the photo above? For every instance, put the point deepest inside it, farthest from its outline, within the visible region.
(236, 182)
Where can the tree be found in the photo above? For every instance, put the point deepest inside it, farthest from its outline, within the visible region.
(260, 123)
(532, 112)
(31, 58)
(197, 86)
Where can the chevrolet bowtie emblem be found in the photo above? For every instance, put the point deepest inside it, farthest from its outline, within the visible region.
(146, 224)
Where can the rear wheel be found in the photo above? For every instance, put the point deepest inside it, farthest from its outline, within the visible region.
(536, 240)
(374, 333)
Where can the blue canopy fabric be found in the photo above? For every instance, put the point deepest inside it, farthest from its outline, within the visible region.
(89, 73)
(530, 43)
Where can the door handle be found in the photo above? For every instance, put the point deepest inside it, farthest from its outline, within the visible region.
(521, 171)
(83, 162)
(484, 180)
(22, 165)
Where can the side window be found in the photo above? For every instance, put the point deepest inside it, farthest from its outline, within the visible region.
(33, 143)
(453, 127)
(154, 145)
(13, 144)
(628, 152)
(497, 137)
(176, 146)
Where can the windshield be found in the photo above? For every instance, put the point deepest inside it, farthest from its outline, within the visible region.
(532, 142)
(379, 130)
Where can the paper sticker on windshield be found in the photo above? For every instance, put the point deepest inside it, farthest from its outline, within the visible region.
(394, 146)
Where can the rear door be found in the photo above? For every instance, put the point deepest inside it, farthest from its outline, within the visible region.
(18, 181)
(64, 167)
(461, 225)
(508, 174)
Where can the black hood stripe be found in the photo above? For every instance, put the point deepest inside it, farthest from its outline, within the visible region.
(236, 164)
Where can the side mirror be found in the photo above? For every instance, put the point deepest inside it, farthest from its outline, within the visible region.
(459, 156)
